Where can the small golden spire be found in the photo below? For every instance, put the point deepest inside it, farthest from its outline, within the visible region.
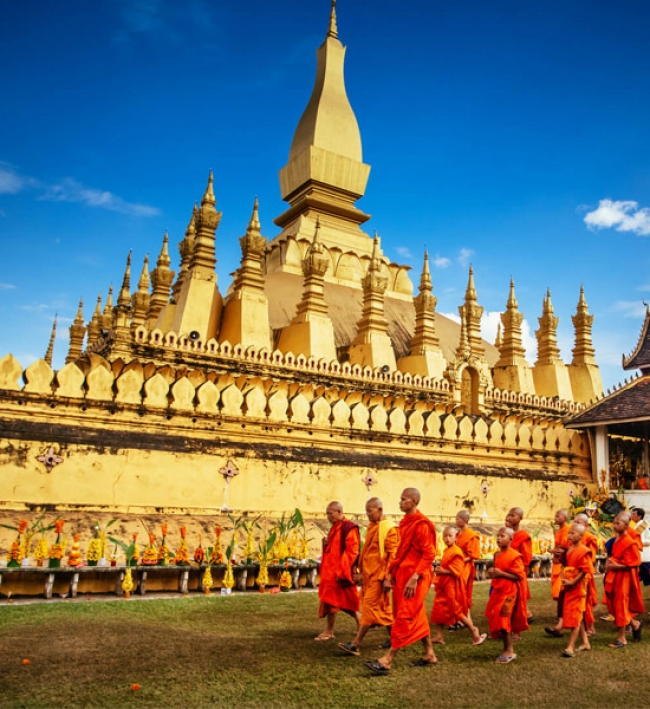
(470, 293)
(333, 29)
(163, 257)
(499, 340)
(77, 334)
(124, 298)
(50, 347)
(79, 319)
(208, 197)
(143, 283)
(254, 223)
(512, 299)
(425, 278)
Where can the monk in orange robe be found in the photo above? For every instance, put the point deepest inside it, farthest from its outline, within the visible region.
(561, 544)
(470, 543)
(411, 573)
(590, 540)
(450, 603)
(506, 609)
(382, 540)
(522, 543)
(622, 585)
(337, 590)
(636, 530)
(576, 572)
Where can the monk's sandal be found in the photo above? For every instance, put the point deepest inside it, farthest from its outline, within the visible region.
(349, 648)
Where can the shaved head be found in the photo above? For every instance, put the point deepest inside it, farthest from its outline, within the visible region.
(506, 530)
(375, 502)
(463, 514)
(336, 506)
(413, 493)
(562, 513)
(582, 518)
(518, 511)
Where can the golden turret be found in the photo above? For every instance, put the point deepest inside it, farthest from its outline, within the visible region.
(122, 317)
(108, 310)
(161, 279)
(50, 346)
(471, 313)
(140, 299)
(550, 374)
(548, 351)
(77, 332)
(96, 324)
(186, 249)
(586, 382)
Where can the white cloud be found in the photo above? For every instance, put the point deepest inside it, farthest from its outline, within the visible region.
(404, 252)
(464, 256)
(69, 190)
(621, 215)
(10, 181)
(6, 286)
(441, 262)
(490, 323)
(630, 308)
(452, 316)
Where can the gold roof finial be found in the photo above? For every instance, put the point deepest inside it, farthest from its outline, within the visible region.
(50, 347)
(143, 283)
(79, 319)
(333, 29)
(124, 297)
(254, 223)
(208, 197)
(470, 294)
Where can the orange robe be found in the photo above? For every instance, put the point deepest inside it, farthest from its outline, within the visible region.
(374, 561)
(522, 543)
(622, 588)
(470, 543)
(450, 602)
(636, 536)
(337, 590)
(561, 540)
(578, 560)
(415, 554)
(506, 608)
(590, 540)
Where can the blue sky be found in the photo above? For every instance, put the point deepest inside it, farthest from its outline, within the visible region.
(510, 135)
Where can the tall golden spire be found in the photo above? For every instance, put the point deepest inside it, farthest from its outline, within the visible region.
(95, 326)
(108, 310)
(333, 29)
(583, 351)
(141, 298)
(50, 347)
(470, 314)
(185, 249)
(512, 351)
(124, 297)
(249, 274)
(161, 279)
(77, 332)
(314, 268)
(424, 337)
(548, 351)
(203, 258)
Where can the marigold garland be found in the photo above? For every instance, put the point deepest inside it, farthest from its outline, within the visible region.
(228, 577)
(285, 580)
(150, 556)
(127, 582)
(206, 581)
(183, 552)
(217, 556)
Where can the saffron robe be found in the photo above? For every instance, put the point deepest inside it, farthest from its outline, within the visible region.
(415, 554)
(522, 543)
(450, 602)
(590, 540)
(382, 540)
(470, 543)
(506, 608)
(561, 541)
(622, 588)
(337, 590)
(578, 560)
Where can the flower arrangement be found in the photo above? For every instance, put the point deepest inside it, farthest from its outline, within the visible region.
(265, 552)
(206, 581)
(150, 556)
(163, 549)
(217, 556)
(94, 551)
(40, 552)
(183, 552)
(285, 581)
(57, 550)
(228, 577)
(74, 555)
(199, 553)
(127, 582)
(18, 550)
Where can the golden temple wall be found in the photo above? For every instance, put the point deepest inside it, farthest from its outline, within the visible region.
(152, 439)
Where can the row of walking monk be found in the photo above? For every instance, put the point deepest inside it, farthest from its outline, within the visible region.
(399, 560)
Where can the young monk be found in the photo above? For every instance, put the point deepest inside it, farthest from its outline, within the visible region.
(522, 543)
(590, 540)
(622, 586)
(561, 541)
(451, 593)
(411, 579)
(382, 540)
(506, 607)
(575, 580)
(469, 542)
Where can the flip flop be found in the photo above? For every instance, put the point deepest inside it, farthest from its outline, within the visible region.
(376, 667)
(350, 648)
(505, 659)
(617, 645)
(421, 662)
(636, 632)
(582, 648)
(553, 632)
(481, 640)
(322, 639)
(568, 653)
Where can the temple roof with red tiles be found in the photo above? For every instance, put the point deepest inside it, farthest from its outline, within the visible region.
(640, 357)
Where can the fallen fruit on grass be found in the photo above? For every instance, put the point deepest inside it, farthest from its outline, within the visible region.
(25, 661)
(135, 686)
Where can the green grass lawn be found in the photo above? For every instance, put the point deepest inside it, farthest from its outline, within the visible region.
(253, 650)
